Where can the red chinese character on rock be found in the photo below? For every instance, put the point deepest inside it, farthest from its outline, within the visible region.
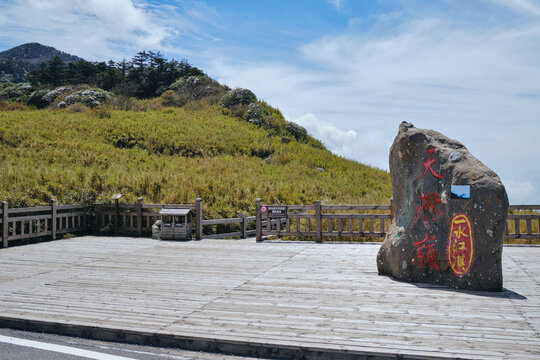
(428, 203)
(427, 165)
(425, 249)
(425, 254)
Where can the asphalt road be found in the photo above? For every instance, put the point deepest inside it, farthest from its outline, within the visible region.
(27, 345)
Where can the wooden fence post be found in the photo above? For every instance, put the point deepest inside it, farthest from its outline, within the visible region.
(244, 226)
(5, 224)
(85, 219)
(139, 216)
(116, 215)
(318, 221)
(258, 221)
(54, 203)
(391, 209)
(199, 216)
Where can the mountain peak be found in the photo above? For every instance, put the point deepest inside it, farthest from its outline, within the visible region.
(17, 61)
(35, 53)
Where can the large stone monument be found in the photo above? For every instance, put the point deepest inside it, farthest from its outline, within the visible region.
(449, 214)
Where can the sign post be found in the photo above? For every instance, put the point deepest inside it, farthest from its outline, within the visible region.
(258, 220)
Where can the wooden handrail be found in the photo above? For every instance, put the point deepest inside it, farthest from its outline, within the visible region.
(316, 220)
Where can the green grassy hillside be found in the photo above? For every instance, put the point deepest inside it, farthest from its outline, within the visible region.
(171, 155)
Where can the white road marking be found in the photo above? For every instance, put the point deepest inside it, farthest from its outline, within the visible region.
(168, 356)
(60, 349)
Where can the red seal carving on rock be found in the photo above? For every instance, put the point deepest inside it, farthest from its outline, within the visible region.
(460, 248)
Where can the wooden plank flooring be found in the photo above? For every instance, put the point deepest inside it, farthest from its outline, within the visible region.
(285, 294)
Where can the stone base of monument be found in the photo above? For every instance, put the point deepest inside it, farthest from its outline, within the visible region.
(449, 214)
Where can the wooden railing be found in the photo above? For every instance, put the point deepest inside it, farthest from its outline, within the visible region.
(524, 222)
(242, 221)
(40, 221)
(319, 220)
(315, 221)
(138, 218)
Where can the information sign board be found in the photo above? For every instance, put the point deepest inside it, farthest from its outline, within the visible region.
(277, 211)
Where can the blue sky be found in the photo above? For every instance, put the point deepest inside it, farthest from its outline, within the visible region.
(349, 71)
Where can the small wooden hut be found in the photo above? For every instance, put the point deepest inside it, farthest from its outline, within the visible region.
(176, 224)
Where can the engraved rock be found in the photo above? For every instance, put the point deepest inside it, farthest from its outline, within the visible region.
(449, 214)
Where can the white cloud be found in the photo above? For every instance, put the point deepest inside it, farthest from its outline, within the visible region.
(93, 29)
(347, 143)
(520, 192)
(527, 6)
(336, 3)
(478, 85)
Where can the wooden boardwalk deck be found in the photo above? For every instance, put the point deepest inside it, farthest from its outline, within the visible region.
(323, 297)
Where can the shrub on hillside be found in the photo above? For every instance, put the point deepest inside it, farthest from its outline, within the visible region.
(197, 87)
(272, 120)
(15, 92)
(255, 113)
(299, 132)
(237, 97)
(261, 114)
(43, 98)
(238, 110)
(171, 98)
(88, 97)
(37, 99)
(53, 94)
(274, 125)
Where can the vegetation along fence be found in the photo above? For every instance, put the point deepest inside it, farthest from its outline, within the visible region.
(314, 221)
